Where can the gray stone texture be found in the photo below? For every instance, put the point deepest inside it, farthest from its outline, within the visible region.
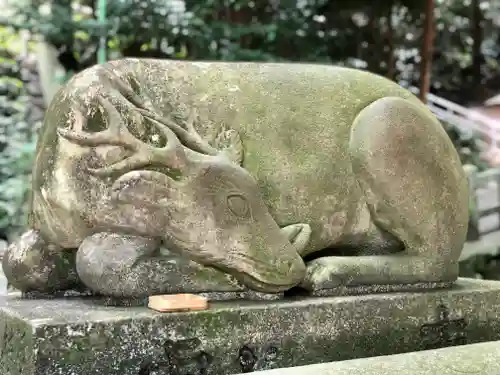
(478, 359)
(83, 337)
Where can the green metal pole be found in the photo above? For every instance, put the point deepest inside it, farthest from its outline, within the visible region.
(101, 9)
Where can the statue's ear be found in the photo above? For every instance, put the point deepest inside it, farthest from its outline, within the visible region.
(229, 142)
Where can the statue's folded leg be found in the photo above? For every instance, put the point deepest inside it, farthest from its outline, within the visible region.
(129, 266)
(31, 264)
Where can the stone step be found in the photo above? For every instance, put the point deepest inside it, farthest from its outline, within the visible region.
(477, 359)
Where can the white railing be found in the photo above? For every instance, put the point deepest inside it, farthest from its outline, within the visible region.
(481, 181)
(467, 121)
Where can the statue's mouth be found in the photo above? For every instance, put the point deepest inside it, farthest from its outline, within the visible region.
(270, 275)
(261, 286)
(260, 283)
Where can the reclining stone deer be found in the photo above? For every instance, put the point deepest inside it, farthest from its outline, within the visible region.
(253, 176)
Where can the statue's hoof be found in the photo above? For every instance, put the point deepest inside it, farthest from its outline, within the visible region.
(298, 235)
(323, 273)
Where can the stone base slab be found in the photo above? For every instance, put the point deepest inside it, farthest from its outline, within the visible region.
(82, 337)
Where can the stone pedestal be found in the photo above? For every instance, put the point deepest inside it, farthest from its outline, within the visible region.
(82, 337)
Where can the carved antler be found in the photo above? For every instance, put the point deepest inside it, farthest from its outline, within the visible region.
(188, 136)
(173, 154)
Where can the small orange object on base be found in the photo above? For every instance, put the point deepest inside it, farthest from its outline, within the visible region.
(177, 302)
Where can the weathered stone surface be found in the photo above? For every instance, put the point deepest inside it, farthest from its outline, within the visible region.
(478, 359)
(80, 337)
(260, 176)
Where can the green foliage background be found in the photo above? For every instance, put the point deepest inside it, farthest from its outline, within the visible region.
(17, 142)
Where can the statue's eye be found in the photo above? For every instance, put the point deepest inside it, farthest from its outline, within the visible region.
(238, 205)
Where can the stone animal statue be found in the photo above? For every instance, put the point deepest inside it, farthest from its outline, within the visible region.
(254, 176)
